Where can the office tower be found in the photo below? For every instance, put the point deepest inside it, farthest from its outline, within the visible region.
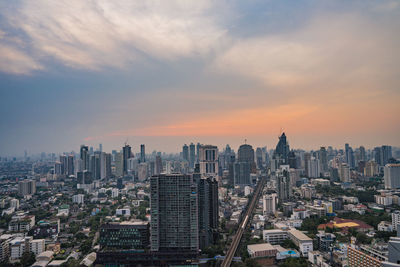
(84, 177)
(174, 214)
(241, 173)
(349, 156)
(282, 150)
(208, 160)
(386, 154)
(323, 157)
(269, 204)
(192, 155)
(142, 153)
(185, 152)
(371, 169)
(105, 165)
(307, 164)
(158, 165)
(125, 236)
(392, 176)
(94, 165)
(207, 210)
(100, 147)
(64, 164)
(70, 165)
(283, 186)
(119, 164)
(57, 168)
(85, 157)
(292, 160)
(362, 154)
(142, 171)
(27, 187)
(259, 158)
(246, 153)
(344, 172)
(198, 152)
(378, 156)
(313, 168)
(127, 153)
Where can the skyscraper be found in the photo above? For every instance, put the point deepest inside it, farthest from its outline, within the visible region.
(127, 153)
(158, 165)
(142, 153)
(192, 155)
(174, 214)
(208, 160)
(70, 165)
(241, 173)
(85, 157)
(283, 186)
(185, 152)
(392, 176)
(282, 150)
(246, 153)
(207, 210)
(323, 157)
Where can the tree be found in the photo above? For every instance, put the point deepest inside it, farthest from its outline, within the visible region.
(27, 259)
(294, 262)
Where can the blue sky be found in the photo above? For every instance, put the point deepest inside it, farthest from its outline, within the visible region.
(166, 73)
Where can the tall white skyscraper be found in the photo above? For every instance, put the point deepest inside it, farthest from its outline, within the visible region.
(269, 204)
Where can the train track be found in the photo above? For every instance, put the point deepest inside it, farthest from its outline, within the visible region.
(242, 226)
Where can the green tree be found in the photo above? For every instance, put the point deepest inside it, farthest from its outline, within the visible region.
(27, 259)
(294, 262)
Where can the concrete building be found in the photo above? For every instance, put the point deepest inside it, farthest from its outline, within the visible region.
(356, 257)
(395, 219)
(27, 187)
(275, 236)
(174, 210)
(392, 176)
(269, 204)
(262, 250)
(304, 243)
(78, 199)
(208, 159)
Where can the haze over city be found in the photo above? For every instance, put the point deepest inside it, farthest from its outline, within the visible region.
(168, 72)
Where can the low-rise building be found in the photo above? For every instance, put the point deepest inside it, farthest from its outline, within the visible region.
(304, 243)
(261, 250)
(275, 236)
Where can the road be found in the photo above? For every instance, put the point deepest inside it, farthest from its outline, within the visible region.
(242, 226)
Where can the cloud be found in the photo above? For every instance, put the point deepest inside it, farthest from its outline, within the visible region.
(98, 34)
(332, 52)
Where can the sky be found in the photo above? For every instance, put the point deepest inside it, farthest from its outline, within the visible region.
(165, 73)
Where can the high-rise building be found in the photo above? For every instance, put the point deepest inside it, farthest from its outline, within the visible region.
(158, 165)
(323, 157)
(174, 213)
(259, 157)
(246, 153)
(70, 165)
(142, 153)
(85, 157)
(127, 153)
(307, 163)
(282, 150)
(105, 165)
(185, 152)
(283, 186)
(344, 172)
(207, 210)
(94, 165)
(386, 154)
(241, 173)
(27, 187)
(64, 164)
(392, 176)
(119, 164)
(208, 160)
(269, 204)
(192, 155)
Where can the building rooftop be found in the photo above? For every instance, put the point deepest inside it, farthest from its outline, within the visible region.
(299, 235)
(261, 247)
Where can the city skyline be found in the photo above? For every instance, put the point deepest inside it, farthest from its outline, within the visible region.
(168, 73)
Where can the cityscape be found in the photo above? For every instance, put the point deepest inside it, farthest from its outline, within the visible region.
(204, 206)
(188, 133)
